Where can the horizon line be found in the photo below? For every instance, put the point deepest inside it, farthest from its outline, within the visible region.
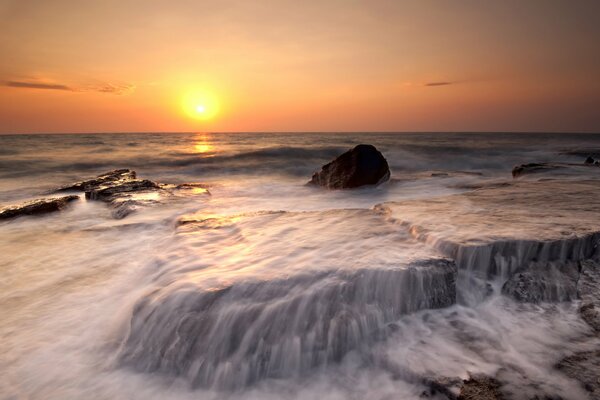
(301, 132)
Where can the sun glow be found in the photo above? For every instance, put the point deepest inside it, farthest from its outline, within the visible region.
(200, 105)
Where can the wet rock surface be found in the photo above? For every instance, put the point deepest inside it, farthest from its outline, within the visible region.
(480, 387)
(111, 178)
(588, 288)
(36, 207)
(125, 193)
(279, 328)
(535, 168)
(363, 165)
(589, 165)
(340, 294)
(116, 191)
(585, 368)
(544, 282)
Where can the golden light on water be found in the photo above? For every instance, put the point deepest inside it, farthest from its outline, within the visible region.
(203, 145)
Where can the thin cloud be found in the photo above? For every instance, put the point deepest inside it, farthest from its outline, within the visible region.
(112, 88)
(100, 88)
(38, 85)
(443, 83)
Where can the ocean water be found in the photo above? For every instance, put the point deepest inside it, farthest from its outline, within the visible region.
(271, 289)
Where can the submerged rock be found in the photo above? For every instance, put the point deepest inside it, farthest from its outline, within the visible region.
(363, 165)
(538, 230)
(563, 168)
(584, 367)
(36, 207)
(534, 168)
(233, 336)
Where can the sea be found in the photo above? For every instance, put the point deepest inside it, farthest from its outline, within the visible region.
(258, 286)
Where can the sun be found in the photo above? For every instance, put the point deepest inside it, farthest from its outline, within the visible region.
(200, 105)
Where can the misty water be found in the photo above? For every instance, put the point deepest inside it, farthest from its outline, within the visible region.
(262, 287)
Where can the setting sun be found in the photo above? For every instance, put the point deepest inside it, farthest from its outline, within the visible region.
(200, 105)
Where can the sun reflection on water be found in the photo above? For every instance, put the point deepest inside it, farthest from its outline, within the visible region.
(203, 145)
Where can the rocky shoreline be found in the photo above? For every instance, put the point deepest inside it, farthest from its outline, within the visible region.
(496, 239)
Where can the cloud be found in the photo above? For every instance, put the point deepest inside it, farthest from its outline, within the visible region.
(112, 88)
(443, 83)
(38, 85)
(100, 88)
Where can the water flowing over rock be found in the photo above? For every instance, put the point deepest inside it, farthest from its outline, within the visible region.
(491, 241)
(588, 289)
(36, 207)
(233, 336)
(544, 282)
(222, 330)
(584, 367)
(362, 165)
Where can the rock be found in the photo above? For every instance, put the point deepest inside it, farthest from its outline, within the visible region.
(561, 168)
(36, 207)
(346, 311)
(363, 165)
(112, 192)
(125, 193)
(584, 367)
(480, 387)
(119, 188)
(588, 289)
(108, 178)
(533, 168)
(544, 282)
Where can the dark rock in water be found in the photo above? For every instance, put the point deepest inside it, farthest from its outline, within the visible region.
(106, 179)
(480, 387)
(533, 168)
(125, 193)
(363, 165)
(588, 289)
(584, 367)
(544, 282)
(112, 192)
(36, 207)
(192, 185)
(119, 188)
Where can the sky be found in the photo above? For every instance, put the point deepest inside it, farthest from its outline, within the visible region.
(238, 65)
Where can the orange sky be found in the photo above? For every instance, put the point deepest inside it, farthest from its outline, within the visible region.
(129, 65)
